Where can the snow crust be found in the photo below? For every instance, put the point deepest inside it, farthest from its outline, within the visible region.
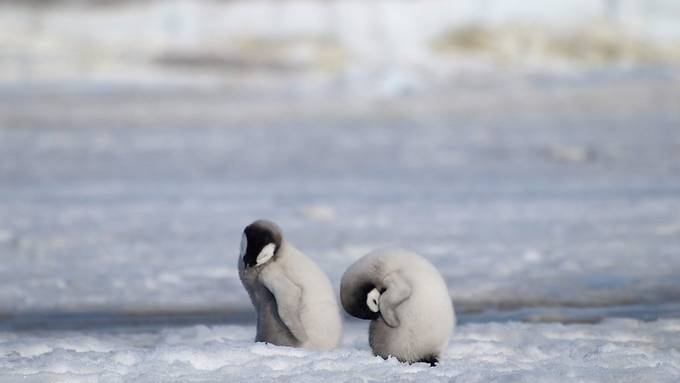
(617, 350)
(539, 195)
(538, 198)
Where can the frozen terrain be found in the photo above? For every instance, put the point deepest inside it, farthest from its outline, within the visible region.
(400, 43)
(136, 143)
(539, 200)
(540, 194)
(621, 350)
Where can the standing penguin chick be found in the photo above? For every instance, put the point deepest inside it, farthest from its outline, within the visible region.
(406, 300)
(294, 299)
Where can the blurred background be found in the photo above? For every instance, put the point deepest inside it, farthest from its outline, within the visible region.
(530, 150)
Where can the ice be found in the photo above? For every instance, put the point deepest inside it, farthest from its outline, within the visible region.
(346, 41)
(119, 230)
(541, 195)
(547, 195)
(613, 351)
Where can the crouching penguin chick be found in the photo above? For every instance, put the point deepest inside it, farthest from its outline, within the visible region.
(406, 300)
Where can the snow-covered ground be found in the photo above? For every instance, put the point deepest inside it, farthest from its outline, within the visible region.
(419, 43)
(551, 200)
(540, 195)
(534, 195)
(617, 350)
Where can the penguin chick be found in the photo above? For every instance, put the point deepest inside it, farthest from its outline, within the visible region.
(407, 301)
(293, 298)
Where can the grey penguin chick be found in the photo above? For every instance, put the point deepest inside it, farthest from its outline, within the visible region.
(407, 301)
(293, 298)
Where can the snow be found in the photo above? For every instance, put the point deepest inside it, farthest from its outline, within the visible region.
(345, 41)
(536, 195)
(617, 350)
(549, 200)
(121, 212)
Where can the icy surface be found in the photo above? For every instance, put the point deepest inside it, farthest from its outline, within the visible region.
(613, 351)
(546, 193)
(554, 194)
(538, 199)
(393, 46)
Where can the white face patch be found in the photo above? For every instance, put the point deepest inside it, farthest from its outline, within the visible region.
(266, 254)
(244, 245)
(372, 299)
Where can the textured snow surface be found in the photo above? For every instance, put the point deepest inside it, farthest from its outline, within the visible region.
(555, 195)
(617, 350)
(557, 198)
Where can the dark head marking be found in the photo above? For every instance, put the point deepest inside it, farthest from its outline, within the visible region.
(256, 237)
(354, 301)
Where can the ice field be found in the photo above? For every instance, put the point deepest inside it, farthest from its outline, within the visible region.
(550, 205)
(621, 350)
(536, 195)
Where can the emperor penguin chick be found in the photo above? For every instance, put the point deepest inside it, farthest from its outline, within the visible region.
(293, 298)
(406, 300)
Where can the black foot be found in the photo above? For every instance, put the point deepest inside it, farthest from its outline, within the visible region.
(431, 359)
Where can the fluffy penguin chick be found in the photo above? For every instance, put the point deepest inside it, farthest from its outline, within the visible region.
(406, 300)
(294, 299)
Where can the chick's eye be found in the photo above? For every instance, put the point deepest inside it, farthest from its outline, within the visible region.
(244, 245)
